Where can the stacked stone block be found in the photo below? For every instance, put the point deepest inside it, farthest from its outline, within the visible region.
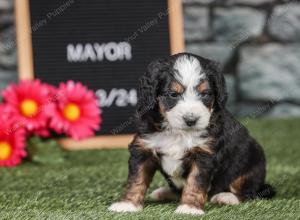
(257, 43)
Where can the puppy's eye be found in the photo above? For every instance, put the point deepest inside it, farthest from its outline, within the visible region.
(205, 94)
(174, 94)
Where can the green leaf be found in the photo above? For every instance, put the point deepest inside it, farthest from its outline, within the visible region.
(45, 151)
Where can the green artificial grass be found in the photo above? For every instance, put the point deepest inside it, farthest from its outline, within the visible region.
(89, 181)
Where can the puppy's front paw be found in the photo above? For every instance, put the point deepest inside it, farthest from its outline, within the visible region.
(189, 210)
(124, 207)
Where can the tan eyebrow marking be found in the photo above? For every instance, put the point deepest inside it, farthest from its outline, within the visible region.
(203, 86)
(177, 87)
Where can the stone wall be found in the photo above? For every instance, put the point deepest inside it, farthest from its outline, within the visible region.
(257, 42)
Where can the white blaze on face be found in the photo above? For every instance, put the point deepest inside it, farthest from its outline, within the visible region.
(189, 73)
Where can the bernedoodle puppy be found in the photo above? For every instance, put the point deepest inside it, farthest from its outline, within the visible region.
(186, 132)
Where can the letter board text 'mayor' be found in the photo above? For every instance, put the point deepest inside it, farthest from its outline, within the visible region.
(105, 44)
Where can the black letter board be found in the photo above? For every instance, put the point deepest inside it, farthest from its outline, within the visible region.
(105, 44)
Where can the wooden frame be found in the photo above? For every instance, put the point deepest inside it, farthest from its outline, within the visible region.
(26, 68)
(176, 26)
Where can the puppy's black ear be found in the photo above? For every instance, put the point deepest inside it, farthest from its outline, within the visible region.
(148, 86)
(217, 76)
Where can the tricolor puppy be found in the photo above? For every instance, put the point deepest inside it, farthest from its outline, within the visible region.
(186, 133)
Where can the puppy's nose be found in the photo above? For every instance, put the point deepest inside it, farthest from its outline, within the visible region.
(190, 120)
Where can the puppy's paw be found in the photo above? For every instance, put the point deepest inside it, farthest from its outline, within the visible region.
(188, 210)
(225, 198)
(163, 194)
(124, 207)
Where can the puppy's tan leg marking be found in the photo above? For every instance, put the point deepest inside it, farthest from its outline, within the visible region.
(135, 191)
(193, 196)
(237, 185)
(163, 194)
(138, 181)
(225, 198)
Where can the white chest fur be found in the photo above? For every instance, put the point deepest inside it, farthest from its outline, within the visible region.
(173, 145)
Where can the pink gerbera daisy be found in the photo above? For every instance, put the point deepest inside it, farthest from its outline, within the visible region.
(6, 111)
(31, 103)
(12, 140)
(77, 113)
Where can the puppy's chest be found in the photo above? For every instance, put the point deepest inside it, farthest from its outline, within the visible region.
(172, 148)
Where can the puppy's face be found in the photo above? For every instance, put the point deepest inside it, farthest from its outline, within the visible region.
(182, 92)
(186, 100)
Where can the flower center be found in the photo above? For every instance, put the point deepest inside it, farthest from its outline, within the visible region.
(5, 150)
(72, 112)
(29, 108)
